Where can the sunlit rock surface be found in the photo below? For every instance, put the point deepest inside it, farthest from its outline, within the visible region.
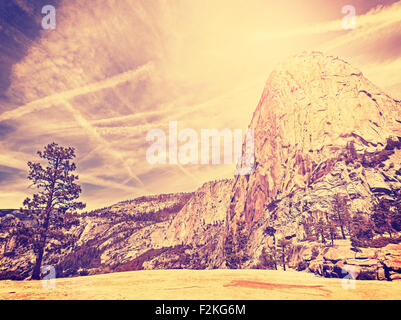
(321, 128)
(312, 107)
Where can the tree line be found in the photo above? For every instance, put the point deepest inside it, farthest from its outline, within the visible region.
(363, 229)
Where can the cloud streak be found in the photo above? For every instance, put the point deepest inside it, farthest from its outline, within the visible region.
(111, 72)
(49, 101)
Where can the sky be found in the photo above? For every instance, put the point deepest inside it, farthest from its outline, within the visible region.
(111, 71)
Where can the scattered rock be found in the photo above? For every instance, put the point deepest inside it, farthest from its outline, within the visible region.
(336, 254)
(316, 266)
(395, 276)
(367, 253)
(363, 262)
(393, 263)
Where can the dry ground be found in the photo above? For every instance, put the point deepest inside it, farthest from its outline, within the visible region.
(202, 284)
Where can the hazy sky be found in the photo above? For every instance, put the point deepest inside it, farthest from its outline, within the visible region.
(115, 69)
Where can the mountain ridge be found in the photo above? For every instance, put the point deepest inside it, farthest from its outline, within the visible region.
(325, 138)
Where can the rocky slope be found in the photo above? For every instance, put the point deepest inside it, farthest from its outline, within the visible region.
(157, 232)
(322, 132)
(200, 227)
(105, 238)
(311, 109)
(321, 129)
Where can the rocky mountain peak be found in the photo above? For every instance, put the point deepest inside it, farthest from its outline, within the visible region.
(327, 144)
(313, 107)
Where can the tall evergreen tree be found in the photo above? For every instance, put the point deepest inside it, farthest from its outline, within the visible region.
(320, 228)
(283, 248)
(362, 227)
(383, 216)
(341, 213)
(52, 207)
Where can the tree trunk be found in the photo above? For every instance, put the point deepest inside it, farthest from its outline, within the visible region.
(342, 231)
(38, 264)
(340, 220)
(389, 227)
(274, 257)
(39, 257)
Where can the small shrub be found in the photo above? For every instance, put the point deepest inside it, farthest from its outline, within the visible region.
(374, 243)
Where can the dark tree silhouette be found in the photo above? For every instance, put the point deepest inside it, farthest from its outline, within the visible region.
(332, 230)
(268, 258)
(387, 216)
(320, 228)
(340, 214)
(272, 233)
(362, 227)
(53, 206)
(283, 248)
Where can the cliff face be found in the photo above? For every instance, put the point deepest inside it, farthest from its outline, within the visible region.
(312, 107)
(321, 129)
(156, 232)
(105, 238)
(206, 209)
(322, 132)
(201, 223)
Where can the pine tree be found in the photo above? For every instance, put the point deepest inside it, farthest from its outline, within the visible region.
(53, 206)
(332, 230)
(283, 246)
(383, 215)
(268, 259)
(272, 233)
(331, 227)
(341, 213)
(361, 227)
(320, 228)
(396, 212)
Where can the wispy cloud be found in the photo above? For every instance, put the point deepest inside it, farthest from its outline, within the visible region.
(49, 101)
(112, 71)
(375, 19)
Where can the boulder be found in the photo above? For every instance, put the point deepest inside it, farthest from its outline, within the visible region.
(329, 270)
(366, 253)
(381, 274)
(393, 263)
(308, 254)
(367, 274)
(339, 253)
(392, 250)
(363, 262)
(316, 266)
(395, 276)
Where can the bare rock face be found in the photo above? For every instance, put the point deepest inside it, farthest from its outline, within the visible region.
(207, 208)
(105, 238)
(312, 108)
(183, 230)
(199, 227)
(321, 128)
